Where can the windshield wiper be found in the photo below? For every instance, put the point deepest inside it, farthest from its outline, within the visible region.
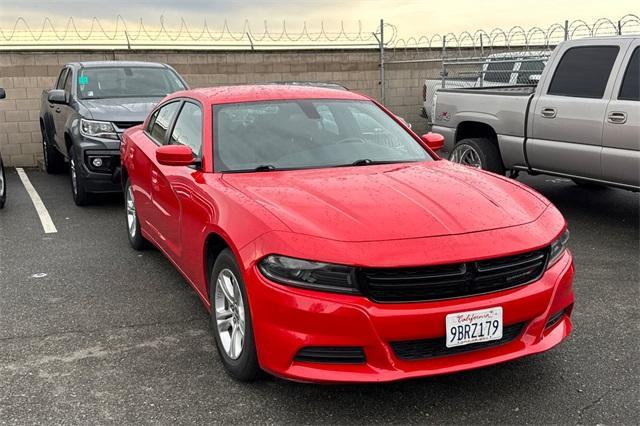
(368, 161)
(264, 168)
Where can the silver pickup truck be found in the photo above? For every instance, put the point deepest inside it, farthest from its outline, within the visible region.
(581, 121)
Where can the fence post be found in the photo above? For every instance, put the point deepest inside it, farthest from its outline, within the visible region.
(382, 83)
(566, 30)
(619, 27)
(443, 71)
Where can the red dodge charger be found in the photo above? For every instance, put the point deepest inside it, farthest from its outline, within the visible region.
(331, 244)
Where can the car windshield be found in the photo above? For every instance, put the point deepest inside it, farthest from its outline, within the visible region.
(127, 82)
(262, 136)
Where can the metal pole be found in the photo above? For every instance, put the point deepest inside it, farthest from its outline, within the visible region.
(566, 30)
(443, 71)
(382, 83)
(619, 27)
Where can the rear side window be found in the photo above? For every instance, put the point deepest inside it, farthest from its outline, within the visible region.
(630, 89)
(188, 128)
(529, 68)
(583, 72)
(161, 120)
(499, 71)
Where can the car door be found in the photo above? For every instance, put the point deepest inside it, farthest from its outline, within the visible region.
(173, 185)
(58, 112)
(566, 135)
(144, 163)
(621, 136)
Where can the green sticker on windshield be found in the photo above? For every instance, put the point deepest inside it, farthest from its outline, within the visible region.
(83, 79)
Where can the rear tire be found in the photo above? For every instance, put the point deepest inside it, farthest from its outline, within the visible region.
(80, 195)
(3, 185)
(231, 319)
(481, 153)
(137, 241)
(53, 160)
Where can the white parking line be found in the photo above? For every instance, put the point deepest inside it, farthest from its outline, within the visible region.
(43, 214)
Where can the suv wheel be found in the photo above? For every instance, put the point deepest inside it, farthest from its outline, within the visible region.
(231, 319)
(480, 153)
(137, 241)
(80, 196)
(53, 161)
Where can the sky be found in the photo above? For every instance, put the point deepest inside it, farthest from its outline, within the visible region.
(411, 17)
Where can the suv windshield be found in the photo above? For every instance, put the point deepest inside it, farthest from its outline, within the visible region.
(262, 136)
(127, 82)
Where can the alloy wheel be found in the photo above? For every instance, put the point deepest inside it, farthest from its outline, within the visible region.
(2, 187)
(467, 155)
(229, 313)
(74, 178)
(131, 213)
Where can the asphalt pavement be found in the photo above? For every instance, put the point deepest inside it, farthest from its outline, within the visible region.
(93, 332)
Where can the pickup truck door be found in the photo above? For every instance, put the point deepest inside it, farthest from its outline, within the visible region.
(567, 118)
(621, 136)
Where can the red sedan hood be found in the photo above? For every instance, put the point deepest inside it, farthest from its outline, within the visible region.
(389, 202)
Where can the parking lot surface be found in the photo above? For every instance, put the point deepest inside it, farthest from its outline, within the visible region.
(92, 331)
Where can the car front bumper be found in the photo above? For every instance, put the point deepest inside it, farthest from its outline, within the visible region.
(287, 319)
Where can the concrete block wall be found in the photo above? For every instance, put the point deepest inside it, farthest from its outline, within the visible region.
(24, 75)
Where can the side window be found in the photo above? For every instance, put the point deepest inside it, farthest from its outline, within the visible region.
(499, 71)
(529, 68)
(630, 89)
(67, 82)
(61, 78)
(583, 72)
(161, 120)
(188, 128)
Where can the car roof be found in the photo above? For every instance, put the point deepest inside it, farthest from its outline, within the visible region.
(266, 92)
(104, 64)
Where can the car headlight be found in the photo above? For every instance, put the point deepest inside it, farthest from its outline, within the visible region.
(308, 274)
(558, 247)
(98, 129)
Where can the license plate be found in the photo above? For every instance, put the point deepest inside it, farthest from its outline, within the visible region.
(464, 328)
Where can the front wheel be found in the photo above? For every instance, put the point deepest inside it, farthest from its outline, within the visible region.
(80, 195)
(3, 185)
(231, 319)
(480, 153)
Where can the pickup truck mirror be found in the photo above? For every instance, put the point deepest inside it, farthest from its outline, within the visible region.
(3, 94)
(535, 77)
(57, 96)
(174, 155)
(435, 141)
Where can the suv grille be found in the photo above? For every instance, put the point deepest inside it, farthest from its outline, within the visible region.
(451, 281)
(412, 350)
(122, 125)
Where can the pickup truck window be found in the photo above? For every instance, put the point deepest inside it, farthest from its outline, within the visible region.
(127, 82)
(527, 69)
(499, 72)
(630, 89)
(161, 120)
(583, 72)
(61, 78)
(67, 82)
(188, 128)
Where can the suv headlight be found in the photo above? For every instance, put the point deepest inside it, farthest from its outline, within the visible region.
(98, 129)
(308, 274)
(558, 246)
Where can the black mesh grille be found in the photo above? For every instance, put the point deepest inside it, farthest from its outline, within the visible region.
(126, 124)
(331, 354)
(451, 281)
(411, 350)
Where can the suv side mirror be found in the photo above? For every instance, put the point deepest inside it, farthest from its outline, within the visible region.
(174, 155)
(435, 141)
(3, 94)
(58, 96)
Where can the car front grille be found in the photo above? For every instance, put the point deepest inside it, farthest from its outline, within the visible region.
(413, 350)
(396, 285)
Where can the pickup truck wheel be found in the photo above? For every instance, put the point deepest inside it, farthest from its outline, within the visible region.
(3, 185)
(480, 153)
(80, 196)
(137, 241)
(53, 161)
(231, 319)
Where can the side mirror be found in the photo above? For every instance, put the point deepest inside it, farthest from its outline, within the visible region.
(3, 94)
(435, 141)
(174, 155)
(57, 96)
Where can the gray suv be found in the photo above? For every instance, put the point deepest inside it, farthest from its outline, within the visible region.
(83, 116)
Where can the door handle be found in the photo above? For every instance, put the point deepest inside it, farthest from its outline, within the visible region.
(617, 117)
(549, 112)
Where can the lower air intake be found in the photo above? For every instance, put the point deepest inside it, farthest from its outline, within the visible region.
(331, 355)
